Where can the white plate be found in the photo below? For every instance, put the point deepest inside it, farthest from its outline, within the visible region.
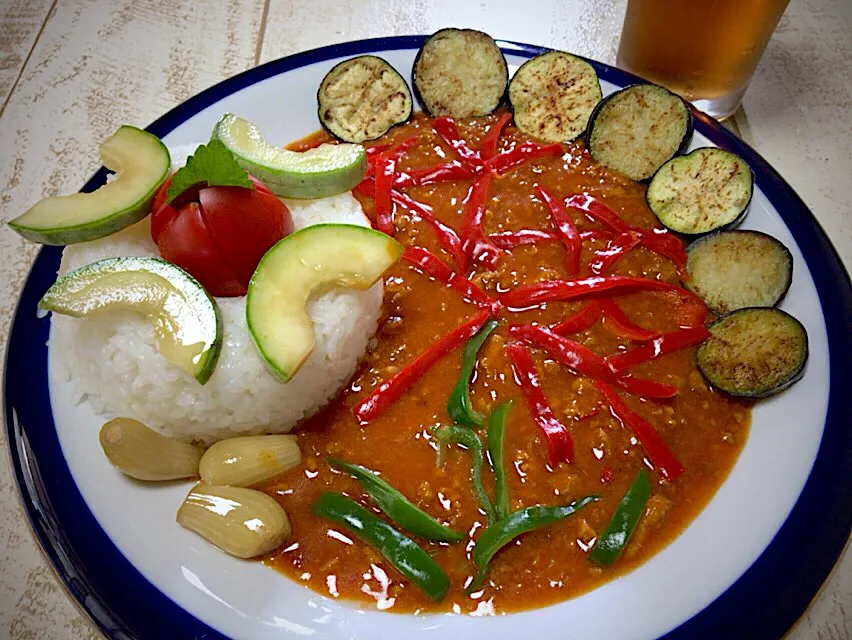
(249, 601)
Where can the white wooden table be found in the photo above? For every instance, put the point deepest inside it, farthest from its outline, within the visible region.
(72, 71)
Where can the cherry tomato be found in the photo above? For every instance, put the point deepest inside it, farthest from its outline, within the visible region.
(219, 234)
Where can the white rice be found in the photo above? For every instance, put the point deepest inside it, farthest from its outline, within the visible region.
(112, 361)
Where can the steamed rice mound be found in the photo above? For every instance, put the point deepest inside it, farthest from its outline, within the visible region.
(112, 361)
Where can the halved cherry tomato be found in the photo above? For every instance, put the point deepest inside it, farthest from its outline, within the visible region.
(219, 234)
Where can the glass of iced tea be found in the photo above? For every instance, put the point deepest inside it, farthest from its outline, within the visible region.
(703, 50)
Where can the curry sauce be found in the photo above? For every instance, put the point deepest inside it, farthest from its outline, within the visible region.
(704, 428)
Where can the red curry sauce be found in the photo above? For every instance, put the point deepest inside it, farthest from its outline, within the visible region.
(705, 429)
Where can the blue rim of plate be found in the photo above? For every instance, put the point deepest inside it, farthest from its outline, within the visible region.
(763, 603)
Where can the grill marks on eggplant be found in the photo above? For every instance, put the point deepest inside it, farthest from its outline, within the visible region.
(362, 98)
(754, 352)
(638, 129)
(553, 95)
(460, 73)
(732, 270)
(706, 190)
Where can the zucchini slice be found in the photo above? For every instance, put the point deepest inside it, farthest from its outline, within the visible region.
(320, 172)
(732, 270)
(553, 96)
(141, 163)
(362, 98)
(460, 73)
(754, 352)
(706, 190)
(638, 129)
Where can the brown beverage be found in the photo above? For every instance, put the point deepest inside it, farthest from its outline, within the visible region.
(704, 50)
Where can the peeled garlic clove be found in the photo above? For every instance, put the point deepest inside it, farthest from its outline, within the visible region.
(243, 522)
(248, 460)
(144, 454)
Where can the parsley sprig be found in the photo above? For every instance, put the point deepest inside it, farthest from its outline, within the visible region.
(212, 165)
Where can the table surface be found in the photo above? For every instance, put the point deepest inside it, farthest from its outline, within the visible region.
(72, 71)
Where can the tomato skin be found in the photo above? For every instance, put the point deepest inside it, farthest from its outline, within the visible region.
(219, 234)
(162, 214)
(244, 237)
(186, 242)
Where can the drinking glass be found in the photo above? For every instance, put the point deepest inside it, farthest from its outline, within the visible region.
(703, 50)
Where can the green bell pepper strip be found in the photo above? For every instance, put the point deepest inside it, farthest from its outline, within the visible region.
(453, 433)
(496, 436)
(617, 533)
(498, 535)
(401, 551)
(397, 507)
(459, 406)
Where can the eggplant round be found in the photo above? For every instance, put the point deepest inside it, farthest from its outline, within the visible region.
(638, 129)
(361, 98)
(553, 95)
(732, 270)
(460, 73)
(754, 352)
(706, 190)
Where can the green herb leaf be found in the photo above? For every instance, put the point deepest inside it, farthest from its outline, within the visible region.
(212, 165)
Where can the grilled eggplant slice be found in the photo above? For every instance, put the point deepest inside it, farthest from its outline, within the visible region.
(362, 98)
(732, 270)
(754, 352)
(553, 95)
(706, 190)
(460, 73)
(638, 129)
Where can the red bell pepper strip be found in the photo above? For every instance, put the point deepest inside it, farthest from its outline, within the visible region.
(394, 152)
(552, 290)
(657, 240)
(447, 236)
(488, 145)
(448, 131)
(596, 234)
(392, 389)
(512, 239)
(577, 357)
(399, 149)
(580, 321)
(661, 345)
(618, 323)
(655, 447)
(372, 154)
(645, 388)
(615, 249)
(508, 160)
(385, 170)
(449, 172)
(560, 446)
(665, 244)
(597, 211)
(586, 362)
(429, 264)
(567, 231)
(474, 242)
